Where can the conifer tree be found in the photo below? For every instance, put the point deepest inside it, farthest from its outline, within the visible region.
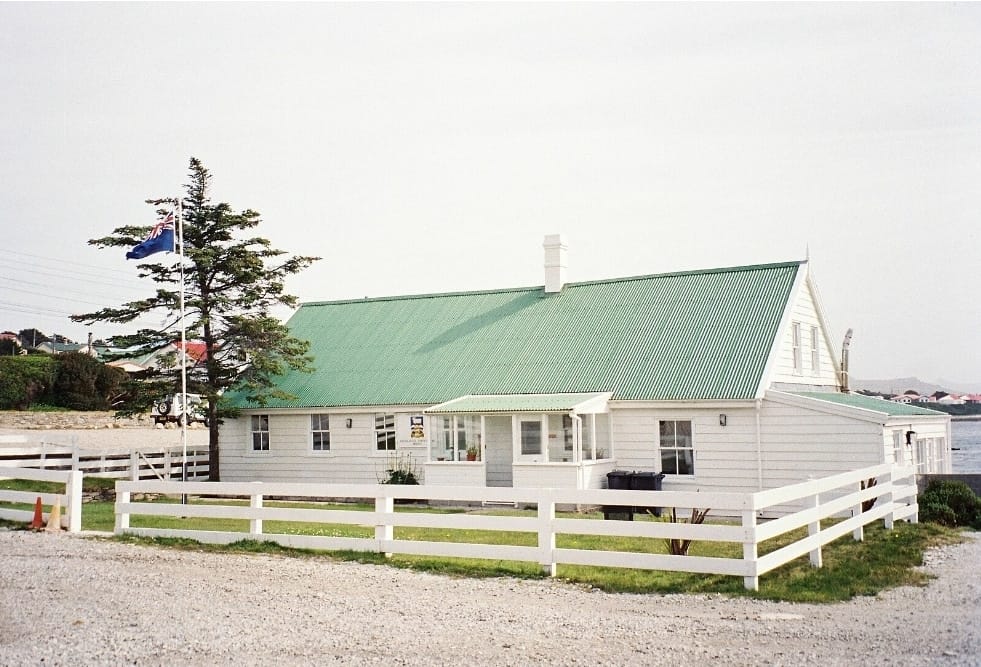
(233, 280)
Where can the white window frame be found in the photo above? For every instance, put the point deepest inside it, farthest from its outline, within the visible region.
(922, 455)
(450, 440)
(259, 426)
(898, 441)
(662, 449)
(542, 454)
(795, 336)
(318, 432)
(815, 352)
(387, 421)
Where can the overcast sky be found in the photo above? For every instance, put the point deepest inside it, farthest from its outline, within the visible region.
(429, 148)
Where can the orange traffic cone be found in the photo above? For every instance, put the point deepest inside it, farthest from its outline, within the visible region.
(38, 522)
(54, 519)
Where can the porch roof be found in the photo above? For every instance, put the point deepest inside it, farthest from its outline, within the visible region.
(488, 403)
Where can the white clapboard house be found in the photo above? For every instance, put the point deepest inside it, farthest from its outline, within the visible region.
(722, 379)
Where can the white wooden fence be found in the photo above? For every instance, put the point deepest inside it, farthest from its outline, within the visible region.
(840, 495)
(164, 463)
(71, 499)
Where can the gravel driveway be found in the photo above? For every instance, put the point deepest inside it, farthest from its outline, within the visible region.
(77, 601)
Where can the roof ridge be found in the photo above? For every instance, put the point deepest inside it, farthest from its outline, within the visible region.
(535, 288)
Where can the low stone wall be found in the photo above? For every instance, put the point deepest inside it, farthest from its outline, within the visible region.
(70, 420)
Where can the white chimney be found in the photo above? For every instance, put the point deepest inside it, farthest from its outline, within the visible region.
(555, 263)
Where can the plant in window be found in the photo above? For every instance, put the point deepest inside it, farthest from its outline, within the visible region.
(473, 454)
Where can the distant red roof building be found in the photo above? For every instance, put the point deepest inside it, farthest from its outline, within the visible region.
(196, 350)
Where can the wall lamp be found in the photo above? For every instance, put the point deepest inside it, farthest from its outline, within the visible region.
(722, 419)
(349, 422)
(910, 435)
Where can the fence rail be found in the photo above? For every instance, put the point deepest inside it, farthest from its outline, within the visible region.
(892, 496)
(71, 499)
(163, 463)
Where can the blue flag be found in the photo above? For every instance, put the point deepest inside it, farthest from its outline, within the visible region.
(161, 239)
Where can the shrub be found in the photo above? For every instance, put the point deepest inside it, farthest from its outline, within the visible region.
(25, 380)
(938, 513)
(84, 383)
(401, 470)
(950, 503)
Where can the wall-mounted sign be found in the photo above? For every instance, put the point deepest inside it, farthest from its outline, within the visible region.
(416, 429)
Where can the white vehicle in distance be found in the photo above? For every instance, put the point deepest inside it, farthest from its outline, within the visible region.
(170, 409)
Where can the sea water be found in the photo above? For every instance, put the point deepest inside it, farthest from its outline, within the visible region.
(965, 440)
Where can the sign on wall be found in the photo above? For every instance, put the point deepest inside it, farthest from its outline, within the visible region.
(417, 429)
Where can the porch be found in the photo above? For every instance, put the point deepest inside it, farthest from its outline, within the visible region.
(521, 440)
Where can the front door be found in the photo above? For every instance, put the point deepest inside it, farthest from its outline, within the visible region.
(498, 450)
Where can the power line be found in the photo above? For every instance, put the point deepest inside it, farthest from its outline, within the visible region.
(105, 282)
(50, 312)
(49, 259)
(49, 296)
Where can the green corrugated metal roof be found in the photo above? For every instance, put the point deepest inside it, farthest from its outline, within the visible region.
(889, 408)
(514, 403)
(676, 336)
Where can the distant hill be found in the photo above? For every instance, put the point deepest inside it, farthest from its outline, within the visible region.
(899, 385)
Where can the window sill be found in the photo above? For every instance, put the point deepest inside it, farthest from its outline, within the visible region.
(453, 463)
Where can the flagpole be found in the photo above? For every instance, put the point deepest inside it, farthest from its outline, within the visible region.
(180, 242)
(179, 247)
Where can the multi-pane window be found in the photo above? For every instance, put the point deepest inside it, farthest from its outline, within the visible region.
(939, 455)
(930, 455)
(385, 432)
(922, 456)
(320, 432)
(531, 437)
(454, 437)
(798, 354)
(677, 449)
(898, 440)
(815, 352)
(260, 433)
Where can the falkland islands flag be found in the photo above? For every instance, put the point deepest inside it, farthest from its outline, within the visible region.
(161, 239)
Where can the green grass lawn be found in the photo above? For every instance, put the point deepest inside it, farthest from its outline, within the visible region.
(885, 559)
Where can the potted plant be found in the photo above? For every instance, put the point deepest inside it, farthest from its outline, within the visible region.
(472, 453)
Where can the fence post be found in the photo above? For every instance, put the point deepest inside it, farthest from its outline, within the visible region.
(168, 472)
(122, 517)
(890, 518)
(134, 465)
(384, 531)
(73, 491)
(74, 452)
(813, 529)
(750, 555)
(255, 525)
(546, 534)
(859, 533)
(44, 453)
